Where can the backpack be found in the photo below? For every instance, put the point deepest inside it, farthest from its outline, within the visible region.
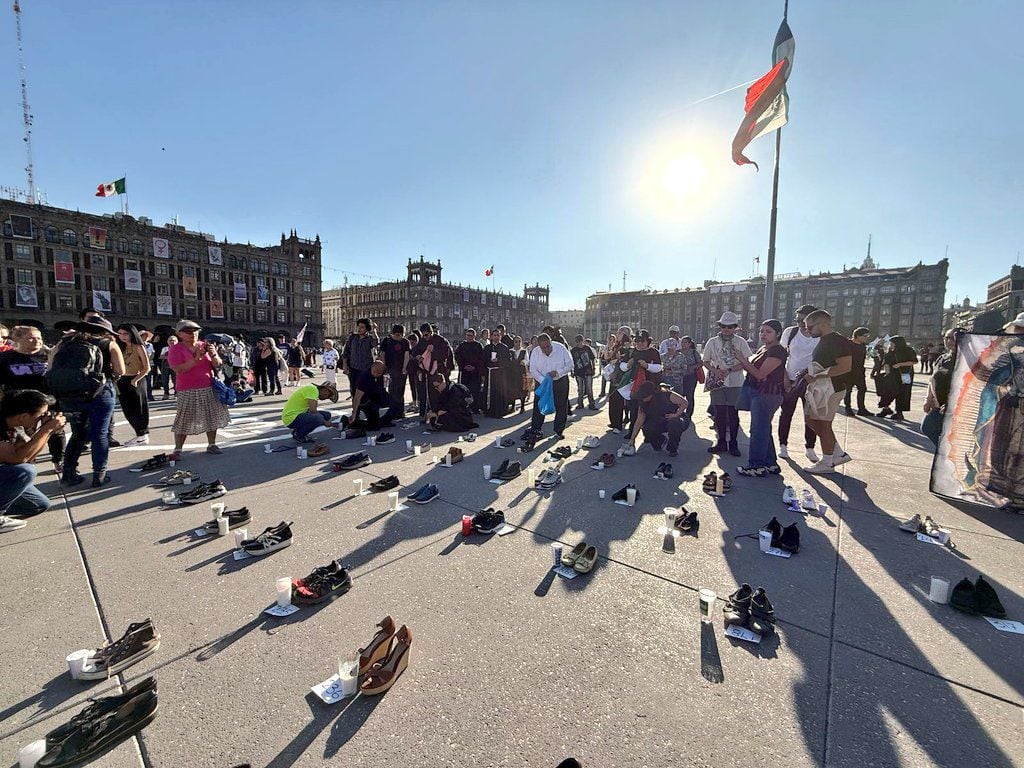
(76, 370)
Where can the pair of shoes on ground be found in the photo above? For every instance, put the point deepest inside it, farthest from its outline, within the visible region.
(424, 447)
(236, 519)
(580, 558)
(620, 495)
(977, 598)
(102, 724)
(385, 658)
(353, 461)
(488, 520)
(711, 479)
(608, 459)
(827, 464)
(178, 477)
(628, 449)
(686, 522)
(507, 470)
(139, 641)
(272, 539)
(202, 492)
(805, 501)
(664, 471)
(751, 609)
(591, 441)
(385, 437)
(385, 484)
(320, 449)
(426, 494)
(561, 452)
(324, 583)
(915, 524)
(548, 478)
(787, 539)
(454, 455)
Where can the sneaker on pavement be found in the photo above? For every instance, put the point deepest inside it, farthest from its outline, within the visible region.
(11, 523)
(822, 467)
(987, 600)
(386, 484)
(964, 597)
(236, 519)
(384, 438)
(272, 539)
(139, 641)
(179, 477)
(96, 710)
(488, 520)
(789, 495)
(354, 461)
(425, 494)
(204, 492)
(913, 525)
(807, 501)
(93, 737)
(324, 583)
(811, 455)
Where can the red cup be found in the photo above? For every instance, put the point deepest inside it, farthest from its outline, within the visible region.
(467, 525)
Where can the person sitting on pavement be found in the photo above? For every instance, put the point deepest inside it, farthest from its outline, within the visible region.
(454, 406)
(369, 397)
(301, 410)
(28, 424)
(661, 413)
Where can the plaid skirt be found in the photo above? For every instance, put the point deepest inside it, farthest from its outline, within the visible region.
(199, 411)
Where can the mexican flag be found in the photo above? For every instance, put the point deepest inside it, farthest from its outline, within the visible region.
(111, 188)
(767, 104)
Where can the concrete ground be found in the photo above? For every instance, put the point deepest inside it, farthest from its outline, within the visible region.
(511, 665)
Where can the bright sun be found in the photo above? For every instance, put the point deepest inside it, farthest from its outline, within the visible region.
(683, 177)
(675, 178)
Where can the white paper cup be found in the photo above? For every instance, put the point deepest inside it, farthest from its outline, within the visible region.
(941, 535)
(706, 604)
(670, 516)
(600, 465)
(31, 753)
(186, 481)
(408, 445)
(579, 444)
(764, 540)
(939, 592)
(532, 475)
(371, 440)
(284, 591)
(448, 459)
(348, 673)
(357, 486)
(218, 508)
(76, 662)
(240, 535)
(267, 448)
(393, 500)
(170, 497)
(172, 462)
(434, 460)
(487, 471)
(298, 452)
(222, 526)
(631, 496)
(497, 442)
(416, 450)
(600, 494)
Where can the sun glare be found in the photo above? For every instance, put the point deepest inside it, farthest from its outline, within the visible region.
(683, 177)
(674, 179)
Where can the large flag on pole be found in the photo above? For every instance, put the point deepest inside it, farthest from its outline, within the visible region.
(302, 333)
(111, 188)
(767, 104)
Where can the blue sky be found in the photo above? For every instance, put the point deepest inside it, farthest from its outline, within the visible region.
(555, 140)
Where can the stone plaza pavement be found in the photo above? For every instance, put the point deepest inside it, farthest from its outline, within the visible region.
(513, 666)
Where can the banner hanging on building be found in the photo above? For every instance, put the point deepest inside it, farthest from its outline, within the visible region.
(189, 287)
(164, 305)
(217, 308)
(240, 292)
(262, 294)
(101, 301)
(133, 280)
(98, 237)
(980, 456)
(216, 258)
(63, 268)
(161, 248)
(27, 296)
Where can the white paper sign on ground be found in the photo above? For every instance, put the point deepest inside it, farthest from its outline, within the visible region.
(277, 610)
(565, 572)
(329, 690)
(399, 508)
(495, 481)
(506, 529)
(741, 633)
(1003, 625)
(201, 532)
(241, 554)
(778, 552)
(624, 503)
(928, 539)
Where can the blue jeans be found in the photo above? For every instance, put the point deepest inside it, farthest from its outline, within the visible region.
(306, 422)
(90, 421)
(18, 496)
(762, 444)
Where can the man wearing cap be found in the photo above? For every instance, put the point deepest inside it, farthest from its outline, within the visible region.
(301, 411)
(800, 344)
(725, 380)
(673, 333)
(370, 396)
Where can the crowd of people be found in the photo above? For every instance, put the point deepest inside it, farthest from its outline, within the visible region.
(650, 387)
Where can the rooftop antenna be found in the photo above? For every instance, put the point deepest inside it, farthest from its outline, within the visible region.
(623, 280)
(25, 112)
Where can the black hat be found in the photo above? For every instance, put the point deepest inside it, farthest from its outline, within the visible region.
(96, 325)
(806, 309)
(62, 326)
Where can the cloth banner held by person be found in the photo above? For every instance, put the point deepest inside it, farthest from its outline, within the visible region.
(980, 454)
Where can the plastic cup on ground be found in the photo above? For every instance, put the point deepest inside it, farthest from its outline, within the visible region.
(706, 600)
(600, 494)
(497, 442)
(631, 496)
(186, 481)
(170, 497)
(600, 465)
(31, 753)
(222, 526)
(172, 462)
(218, 508)
(579, 444)
(939, 592)
(76, 662)
(357, 486)
(532, 475)
(240, 535)
(556, 553)
(371, 440)
(393, 500)
(764, 540)
(670, 516)
(298, 452)
(467, 525)
(416, 450)
(487, 471)
(348, 673)
(284, 591)
(408, 445)
(434, 460)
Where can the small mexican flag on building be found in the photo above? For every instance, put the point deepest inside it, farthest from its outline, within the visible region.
(111, 188)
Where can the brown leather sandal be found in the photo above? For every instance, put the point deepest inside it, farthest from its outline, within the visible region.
(377, 649)
(384, 674)
(318, 450)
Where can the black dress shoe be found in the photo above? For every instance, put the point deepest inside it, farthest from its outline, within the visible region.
(96, 736)
(97, 709)
(789, 541)
(737, 607)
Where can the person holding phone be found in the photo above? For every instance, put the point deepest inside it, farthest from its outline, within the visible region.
(28, 424)
(198, 409)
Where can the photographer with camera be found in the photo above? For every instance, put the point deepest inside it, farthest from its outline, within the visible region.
(28, 425)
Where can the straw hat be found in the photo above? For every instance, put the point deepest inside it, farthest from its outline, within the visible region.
(729, 318)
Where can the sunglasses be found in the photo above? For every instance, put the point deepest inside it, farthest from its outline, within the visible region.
(729, 326)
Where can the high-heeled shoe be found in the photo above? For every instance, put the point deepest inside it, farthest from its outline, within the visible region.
(377, 648)
(384, 674)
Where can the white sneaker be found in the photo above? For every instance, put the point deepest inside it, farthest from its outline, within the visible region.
(11, 523)
(783, 452)
(807, 500)
(823, 467)
(841, 458)
(137, 440)
(789, 495)
(629, 450)
(811, 455)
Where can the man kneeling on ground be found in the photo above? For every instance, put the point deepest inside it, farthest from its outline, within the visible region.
(301, 411)
(28, 424)
(369, 397)
(454, 406)
(661, 412)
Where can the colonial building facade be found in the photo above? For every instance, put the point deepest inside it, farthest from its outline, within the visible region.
(423, 297)
(58, 262)
(905, 301)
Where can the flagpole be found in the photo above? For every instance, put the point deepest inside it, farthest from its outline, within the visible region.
(769, 280)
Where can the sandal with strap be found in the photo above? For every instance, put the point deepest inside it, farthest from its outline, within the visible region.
(377, 648)
(384, 674)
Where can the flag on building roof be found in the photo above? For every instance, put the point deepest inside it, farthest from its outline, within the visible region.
(111, 188)
(767, 105)
(489, 272)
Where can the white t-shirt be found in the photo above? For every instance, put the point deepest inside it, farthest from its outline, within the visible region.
(330, 358)
(801, 350)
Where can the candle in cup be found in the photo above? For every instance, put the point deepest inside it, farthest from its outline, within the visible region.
(267, 448)
(631, 496)
(706, 599)
(487, 471)
(416, 450)
(600, 494)
(284, 591)
(393, 500)
(467, 525)
(76, 662)
(532, 475)
(348, 673)
(357, 486)
(240, 535)
(670, 516)
(408, 445)
(218, 508)
(223, 524)
(170, 497)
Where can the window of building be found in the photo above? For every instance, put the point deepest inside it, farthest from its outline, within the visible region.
(887, 289)
(483, 299)
(280, 301)
(162, 289)
(26, 277)
(284, 270)
(66, 303)
(907, 289)
(70, 237)
(261, 281)
(182, 254)
(279, 284)
(99, 283)
(261, 315)
(51, 235)
(99, 261)
(214, 275)
(162, 269)
(23, 252)
(307, 303)
(188, 271)
(134, 308)
(138, 248)
(243, 263)
(307, 271)
(122, 245)
(276, 268)
(131, 264)
(281, 316)
(238, 313)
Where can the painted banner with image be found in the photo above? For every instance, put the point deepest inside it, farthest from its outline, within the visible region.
(164, 305)
(262, 294)
(241, 294)
(63, 268)
(161, 248)
(189, 287)
(216, 257)
(980, 456)
(101, 301)
(97, 237)
(133, 280)
(27, 296)
(217, 309)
